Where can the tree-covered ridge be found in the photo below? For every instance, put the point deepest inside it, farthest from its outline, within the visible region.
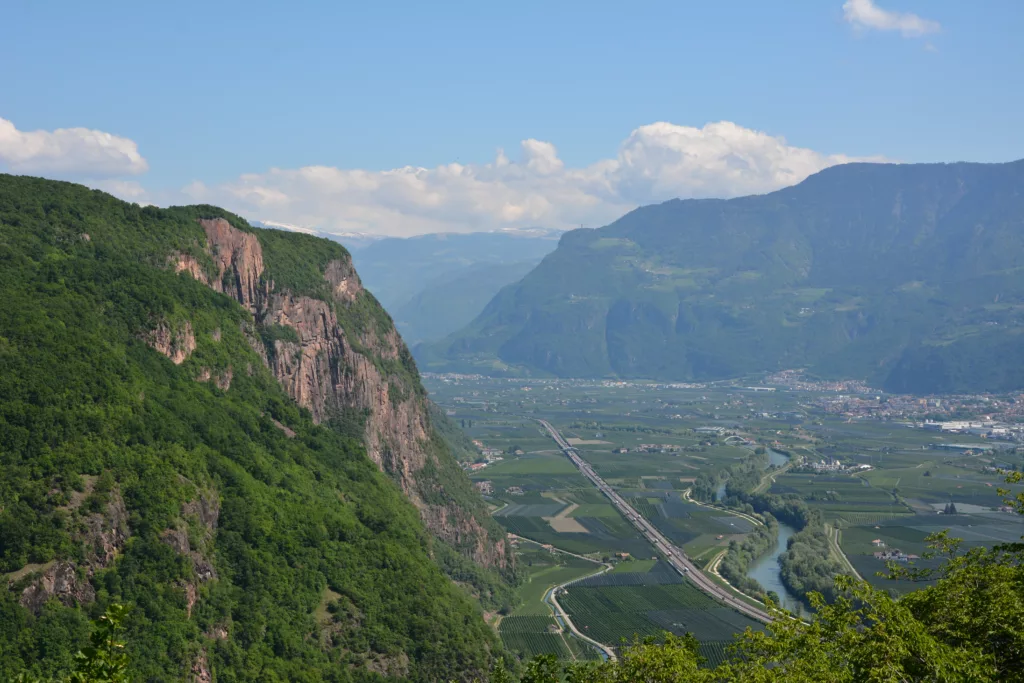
(908, 275)
(248, 541)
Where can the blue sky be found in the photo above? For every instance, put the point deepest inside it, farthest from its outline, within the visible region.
(216, 94)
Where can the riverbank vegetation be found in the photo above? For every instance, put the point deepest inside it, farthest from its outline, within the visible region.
(807, 565)
(743, 553)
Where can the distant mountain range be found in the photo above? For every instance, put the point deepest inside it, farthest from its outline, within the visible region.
(434, 284)
(910, 276)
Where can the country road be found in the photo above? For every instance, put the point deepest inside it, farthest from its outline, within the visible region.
(551, 597)
(672, 554)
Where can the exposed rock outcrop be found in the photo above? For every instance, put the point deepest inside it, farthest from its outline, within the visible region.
(222, 379)
(201, 669)
(334, 371)
(202, 514)
(103, 536)
(60, 580)
(177, 343)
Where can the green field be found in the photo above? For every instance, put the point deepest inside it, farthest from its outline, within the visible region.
(611, 614)
(532, 592)
(896, 500)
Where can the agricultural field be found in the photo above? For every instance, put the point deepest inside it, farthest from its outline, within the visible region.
(840, 495)
(620, 606)
(531, 629)
(697, 430)
(907, 534)
(531, 636)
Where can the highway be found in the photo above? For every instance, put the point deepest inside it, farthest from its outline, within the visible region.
(672, 554)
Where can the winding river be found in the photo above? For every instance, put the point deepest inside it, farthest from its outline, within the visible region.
(766, 570)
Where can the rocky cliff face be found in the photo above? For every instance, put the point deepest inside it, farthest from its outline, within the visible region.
(337, 364)
(102, 535)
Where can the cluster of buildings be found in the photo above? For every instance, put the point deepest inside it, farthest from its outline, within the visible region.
(891, 554)
(655, 448)
(930, 412)
(831, 465)
(650, 448)
(988, 429)
(794, 379)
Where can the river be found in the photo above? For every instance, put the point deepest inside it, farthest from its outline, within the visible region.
(766, 570)
(767, 573)
(774, 458)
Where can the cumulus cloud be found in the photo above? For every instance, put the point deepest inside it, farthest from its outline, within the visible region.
(656, 162)
(69, 151)
(865, 14)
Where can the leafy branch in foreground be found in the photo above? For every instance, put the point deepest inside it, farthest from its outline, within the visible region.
(104, 660)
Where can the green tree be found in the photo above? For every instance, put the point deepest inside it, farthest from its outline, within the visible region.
(104, 660)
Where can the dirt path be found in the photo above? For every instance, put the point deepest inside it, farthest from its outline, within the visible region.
(551, 599)
(833, 541)
(560, 615)
(713, 568)
(753, 520)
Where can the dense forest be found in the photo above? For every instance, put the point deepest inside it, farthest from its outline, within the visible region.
(149, 458)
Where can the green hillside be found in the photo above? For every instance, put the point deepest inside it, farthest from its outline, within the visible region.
(149, 456)
(907, 275)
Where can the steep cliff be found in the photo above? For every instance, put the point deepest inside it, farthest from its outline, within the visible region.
(336, 353)
(218, 428)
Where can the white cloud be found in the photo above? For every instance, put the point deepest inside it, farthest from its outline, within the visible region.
(865, 14)
(78, 151)
(656, 162)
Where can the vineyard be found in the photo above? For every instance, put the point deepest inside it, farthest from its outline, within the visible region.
(613, 613)
(532, 636)
(538, 635)
(662, 573)
(714, 652)
(856, 518)
(604, 534)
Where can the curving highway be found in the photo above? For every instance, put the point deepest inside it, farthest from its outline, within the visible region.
(672, 554)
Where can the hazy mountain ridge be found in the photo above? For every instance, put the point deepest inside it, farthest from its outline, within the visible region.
(908, 275)
(434, 284)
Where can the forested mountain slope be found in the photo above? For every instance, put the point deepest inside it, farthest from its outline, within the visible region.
(909, 275)
(216, 425)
